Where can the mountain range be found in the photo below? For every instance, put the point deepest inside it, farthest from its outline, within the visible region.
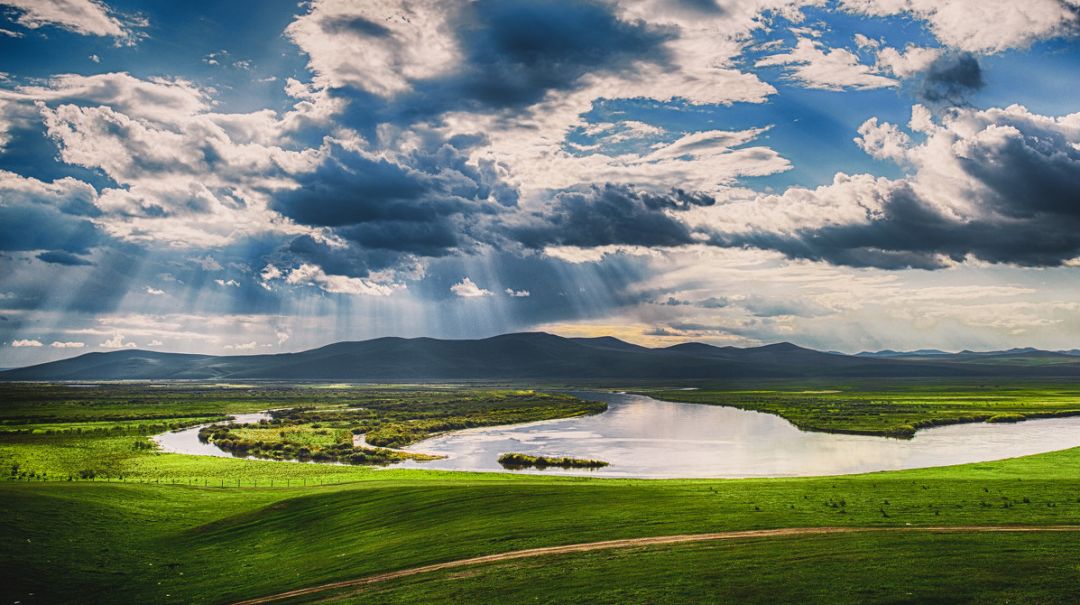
(541, 356)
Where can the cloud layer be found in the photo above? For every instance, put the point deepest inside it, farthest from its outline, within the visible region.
(527, 163)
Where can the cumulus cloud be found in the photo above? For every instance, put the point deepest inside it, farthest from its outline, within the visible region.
(26, 343)
(227, 283)
(193, 186)
(154, 291)
(883, 141)
(467, 289)
(57, 344)
(996, 185)
(516, 293)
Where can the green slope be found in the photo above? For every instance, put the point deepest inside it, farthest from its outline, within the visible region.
(95, 542)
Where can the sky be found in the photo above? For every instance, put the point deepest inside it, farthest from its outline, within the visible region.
(846, 175)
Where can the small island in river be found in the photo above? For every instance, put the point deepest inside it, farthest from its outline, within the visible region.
(515, 460)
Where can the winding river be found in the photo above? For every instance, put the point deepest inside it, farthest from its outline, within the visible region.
(647, 438)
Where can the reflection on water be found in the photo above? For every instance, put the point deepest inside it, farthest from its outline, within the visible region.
(644, 437)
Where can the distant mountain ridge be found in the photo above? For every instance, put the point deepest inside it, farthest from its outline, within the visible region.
(540, 356)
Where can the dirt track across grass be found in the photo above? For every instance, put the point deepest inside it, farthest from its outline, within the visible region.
(651, 541)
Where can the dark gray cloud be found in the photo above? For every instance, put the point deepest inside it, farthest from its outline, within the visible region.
(1029, 174)
(42, 226)
(610, 215)
(58, 257)
(709, 7)
(910, 233)
(419, 206)
(951, 79)
(517, 51)
(513, 53)
(1019, 203)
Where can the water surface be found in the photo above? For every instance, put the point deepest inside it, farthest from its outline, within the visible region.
(186, 441)
(644, 437)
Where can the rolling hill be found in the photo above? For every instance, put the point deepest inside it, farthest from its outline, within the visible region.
(539, 356)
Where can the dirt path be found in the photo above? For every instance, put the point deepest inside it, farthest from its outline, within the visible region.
(656, 540)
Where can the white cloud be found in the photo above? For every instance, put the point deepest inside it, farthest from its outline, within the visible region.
(577, 255)
(117, 342)
(696, 161)
(913, 60)
(226, 283)
(380, 47)
(984, 26)
(529, 146)
(965, 139)
(154, 291)
(87, 17)
(193, 188)
(1004, 170)
(161, 100)
(26, 343)
(188, 177)
(517, 293)
(58, 193)
(338, 284)
(244, 346)
(611, 133)
(155, 343)
(270, 272)
(467, 289)
(864, 41)
(67, 345)
(883, 141)
(816, 66)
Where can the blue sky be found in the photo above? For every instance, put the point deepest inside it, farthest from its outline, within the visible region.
(846, 174)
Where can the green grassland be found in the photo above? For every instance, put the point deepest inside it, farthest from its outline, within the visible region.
(895, 408)
(115, 444)
(169, 528)
(830, 570)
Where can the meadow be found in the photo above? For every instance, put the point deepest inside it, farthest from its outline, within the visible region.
(893, 408)
(154, 527)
